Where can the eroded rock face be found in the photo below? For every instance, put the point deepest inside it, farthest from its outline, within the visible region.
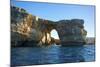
(71, 31)
(29, 30)
(24, 27)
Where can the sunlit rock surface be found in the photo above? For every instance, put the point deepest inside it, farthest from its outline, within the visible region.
(29, 30)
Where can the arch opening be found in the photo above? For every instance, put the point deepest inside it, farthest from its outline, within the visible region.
(55, 37)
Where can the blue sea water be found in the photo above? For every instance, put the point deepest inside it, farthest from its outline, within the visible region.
(52, 55)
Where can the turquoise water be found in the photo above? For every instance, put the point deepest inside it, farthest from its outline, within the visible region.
(52, 55)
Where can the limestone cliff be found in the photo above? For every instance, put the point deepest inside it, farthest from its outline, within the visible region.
(24, 27)
(29, 30)
(71, 31)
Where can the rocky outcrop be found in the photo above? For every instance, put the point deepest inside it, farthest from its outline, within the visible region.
(71, 31)
(29, 30)
(90, 40)
(24, 28)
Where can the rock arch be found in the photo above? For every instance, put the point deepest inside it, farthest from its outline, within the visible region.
(38, 30)
(70, 31)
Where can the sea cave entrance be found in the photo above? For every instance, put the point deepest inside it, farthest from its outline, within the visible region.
(55, 37)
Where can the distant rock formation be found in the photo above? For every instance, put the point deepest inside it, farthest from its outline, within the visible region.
(90, 40)
(29, 30)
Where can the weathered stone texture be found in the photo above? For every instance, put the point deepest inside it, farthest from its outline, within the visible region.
(26, 28)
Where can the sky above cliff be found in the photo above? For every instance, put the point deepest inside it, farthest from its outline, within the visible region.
(57, 12)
